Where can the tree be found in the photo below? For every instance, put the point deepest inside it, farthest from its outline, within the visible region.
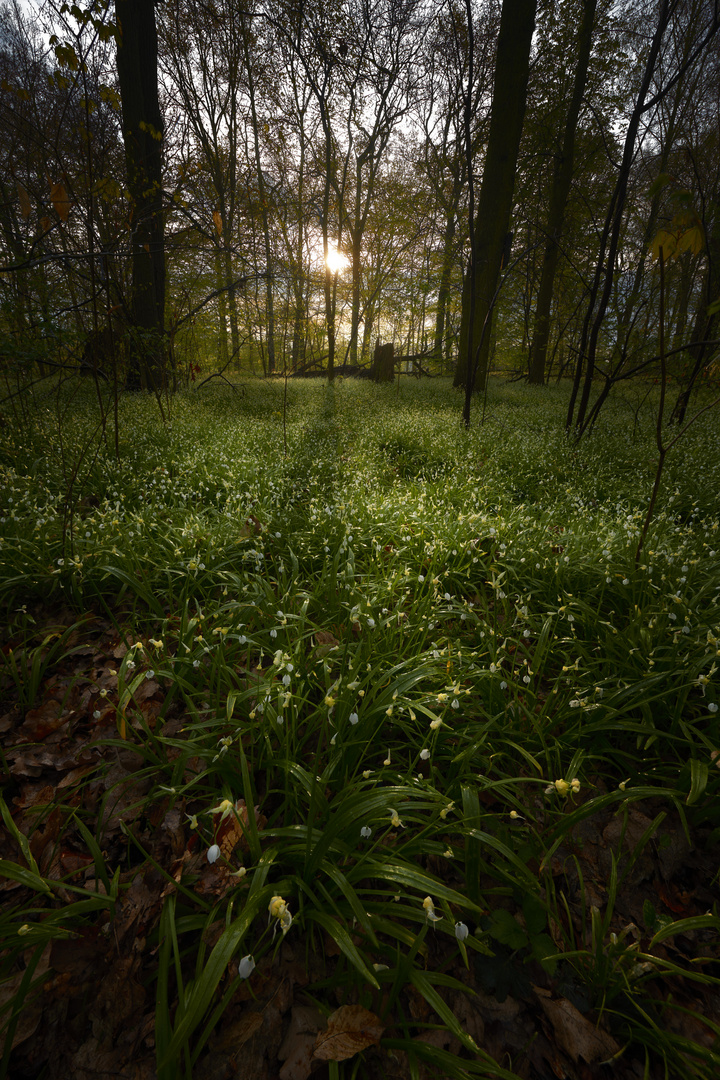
(143, 135)
(604, 279)
(490, 226)
(560, 189)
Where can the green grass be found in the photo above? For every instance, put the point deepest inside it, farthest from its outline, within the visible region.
(391, 643)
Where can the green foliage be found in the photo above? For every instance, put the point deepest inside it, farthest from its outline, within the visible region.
(411, 663)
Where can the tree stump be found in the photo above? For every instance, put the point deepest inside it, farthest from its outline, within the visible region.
(383, 369)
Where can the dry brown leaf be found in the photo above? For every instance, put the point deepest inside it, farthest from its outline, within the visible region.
(325, 643)
(232, 831)
(576, 1035)
(218, 222)
(298, 1060)
(39, 723)
(296, 1050)
(351, 1028)
(145, 690)
(32, 1008)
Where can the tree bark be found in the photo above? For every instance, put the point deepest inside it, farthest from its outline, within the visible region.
(562, 179)
(440, 344)
(143, 134)
(490, 229)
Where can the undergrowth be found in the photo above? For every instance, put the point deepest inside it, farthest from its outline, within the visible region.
(393, 676)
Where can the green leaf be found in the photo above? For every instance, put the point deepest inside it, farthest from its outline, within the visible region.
(505, 928)
(28, 878)
(201, 994)
(356, 904)
(22, 842)
(342, 938)
(421, 982)
(659, 184)
(698, 780)
(420, 881)
(685, 926)
(543, 947)
(534, 914)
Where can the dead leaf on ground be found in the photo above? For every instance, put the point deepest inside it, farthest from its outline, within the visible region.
(39, 723)
(233, 829)
(576, 1035)
(32, 1007)
(325, 642)
(351, 1028)
(297, 1047)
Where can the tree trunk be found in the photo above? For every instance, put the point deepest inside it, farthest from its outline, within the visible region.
(439, 337)
(263, 197)
(222, 311)
(143, 134)
(383, 369)
(490, 228)
(562, 179)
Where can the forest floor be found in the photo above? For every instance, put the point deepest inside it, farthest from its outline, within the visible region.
(384, 757)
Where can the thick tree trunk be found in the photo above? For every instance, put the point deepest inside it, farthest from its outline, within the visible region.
(492, 221)
(562, 179)
(143, 133)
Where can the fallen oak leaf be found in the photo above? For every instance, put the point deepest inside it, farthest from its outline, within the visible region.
(350, 1029)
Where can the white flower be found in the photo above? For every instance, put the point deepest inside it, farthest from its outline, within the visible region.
(430, 910)
(461, 931)
(564, 787)
(712, 707)
(279, 910)
(424, 754)
(366, 832)
(353, 718)
(213, 854)
(455, 703)
(246, 967)
(273, 633)
(395, 821)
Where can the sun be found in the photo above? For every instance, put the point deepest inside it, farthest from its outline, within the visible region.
(336, 261)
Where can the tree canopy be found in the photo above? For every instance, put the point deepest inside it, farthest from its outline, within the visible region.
(278, 187)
